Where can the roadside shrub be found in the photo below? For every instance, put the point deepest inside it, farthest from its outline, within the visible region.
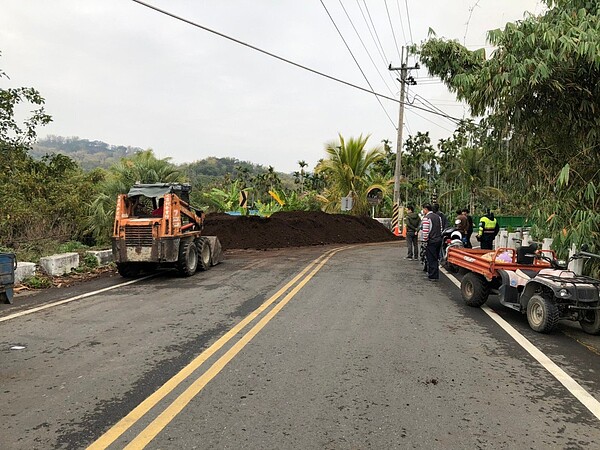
(37, 282)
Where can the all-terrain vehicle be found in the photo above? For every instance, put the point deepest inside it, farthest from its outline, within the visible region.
(552, 294)
(155, 225)
(532, 282)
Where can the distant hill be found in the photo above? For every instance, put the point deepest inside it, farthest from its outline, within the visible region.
(93, 154)
(88, 154)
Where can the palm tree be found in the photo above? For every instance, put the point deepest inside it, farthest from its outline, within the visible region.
(143, 167)
(472, 176)
(346, 170)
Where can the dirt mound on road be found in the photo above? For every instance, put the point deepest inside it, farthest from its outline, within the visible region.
(294, 229)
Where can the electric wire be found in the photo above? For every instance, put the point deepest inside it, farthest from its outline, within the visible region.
(401, 22)
(374, 29)
(428, 120)
(426, 103)
(385, 62)
(383, 57)
(450, 121)
(357, 63)
(365, 47)
(392, 28)
(280, 58)
(408, 20)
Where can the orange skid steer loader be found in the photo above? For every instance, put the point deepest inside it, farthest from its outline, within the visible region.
(155, 226)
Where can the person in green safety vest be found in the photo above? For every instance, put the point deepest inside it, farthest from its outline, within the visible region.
(488, 230)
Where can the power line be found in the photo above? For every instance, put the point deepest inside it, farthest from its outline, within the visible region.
(408, 20)
(430, 121)
(379, 50)
(392, 28)
(385, 62)
(401, 22)
(426, 102)
(280, 58)
(357, 64)
(365, 47)
(375, 29)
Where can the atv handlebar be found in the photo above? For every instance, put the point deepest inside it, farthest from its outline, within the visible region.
(587, 255)
(553, 262)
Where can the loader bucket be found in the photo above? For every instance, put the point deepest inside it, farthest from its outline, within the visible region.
(216, 251)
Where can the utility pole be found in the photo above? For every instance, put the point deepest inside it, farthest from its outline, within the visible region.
(398, 214)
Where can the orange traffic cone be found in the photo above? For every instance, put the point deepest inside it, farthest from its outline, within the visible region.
(404, 231)
(396, 231)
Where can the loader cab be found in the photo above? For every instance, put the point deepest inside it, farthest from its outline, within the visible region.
(143, 199)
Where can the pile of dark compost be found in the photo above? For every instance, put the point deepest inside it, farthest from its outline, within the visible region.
(294, 229)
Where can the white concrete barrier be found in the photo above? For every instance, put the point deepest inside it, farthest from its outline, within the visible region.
(24, 270)
(514, 240)
(547, 243)
(59, 264)
(501, 240)
(577, 264)
(102, 256)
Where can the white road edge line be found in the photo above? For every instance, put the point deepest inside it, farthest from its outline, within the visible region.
(72, 299)
(569, 383)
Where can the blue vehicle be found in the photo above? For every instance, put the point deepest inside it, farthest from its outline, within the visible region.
(8, 264)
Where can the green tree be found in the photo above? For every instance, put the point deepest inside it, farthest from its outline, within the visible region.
(419, 169)
(540, 94)
(346, 171)
(41, 200)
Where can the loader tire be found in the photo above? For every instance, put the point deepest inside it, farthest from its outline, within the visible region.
(187, 263)
(542, 314)
(590, 323)
(204, 259)
(128, 270)
(474, 289)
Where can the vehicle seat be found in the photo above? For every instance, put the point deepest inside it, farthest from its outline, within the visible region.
(522, 251)
(527, 274)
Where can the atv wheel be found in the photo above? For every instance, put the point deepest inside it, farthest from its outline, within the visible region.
(591, 322)
(188, 259)
(128, 270)
(204, 250)
(474, 289)
(542, 314)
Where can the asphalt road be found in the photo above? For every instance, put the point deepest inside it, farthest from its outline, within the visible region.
(282, 349)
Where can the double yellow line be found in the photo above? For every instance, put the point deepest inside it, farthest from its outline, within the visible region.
(173, 409)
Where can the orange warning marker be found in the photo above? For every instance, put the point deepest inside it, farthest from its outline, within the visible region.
(396, 231)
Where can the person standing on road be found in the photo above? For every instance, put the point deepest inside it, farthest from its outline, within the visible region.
(462, 225)
(432, 237)
(412, 229)
(444, 222)
(468, 244)
(488, 230)
(436, 209)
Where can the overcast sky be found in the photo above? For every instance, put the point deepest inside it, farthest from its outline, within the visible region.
(116, 71)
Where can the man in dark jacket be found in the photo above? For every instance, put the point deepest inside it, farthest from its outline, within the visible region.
(412, 228)
(468, 244)
(436, 209)
(432, 237)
